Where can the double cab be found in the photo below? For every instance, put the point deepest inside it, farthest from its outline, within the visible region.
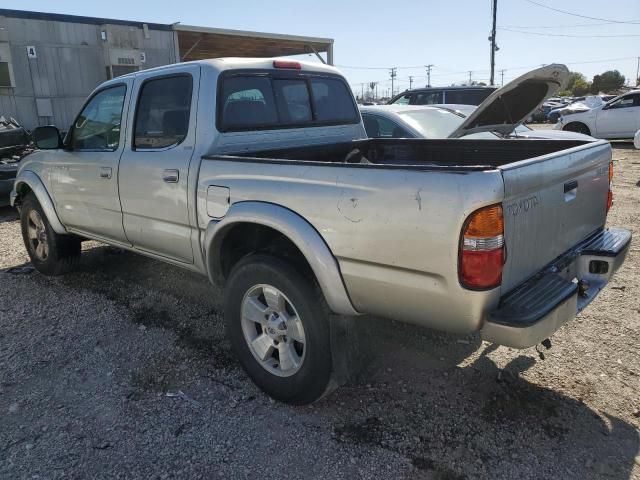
(258, 174)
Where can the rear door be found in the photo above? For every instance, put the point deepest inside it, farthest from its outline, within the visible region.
(551, 203)
(154, 168)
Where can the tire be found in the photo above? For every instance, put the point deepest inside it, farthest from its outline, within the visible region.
(300, 372)
(50, 252)
(577, 127)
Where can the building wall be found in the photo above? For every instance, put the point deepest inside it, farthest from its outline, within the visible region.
(72, 59)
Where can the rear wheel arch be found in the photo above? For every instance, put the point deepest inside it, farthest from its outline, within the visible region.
(259, 227)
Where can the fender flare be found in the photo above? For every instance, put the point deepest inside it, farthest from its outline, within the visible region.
(33, 181)
(295, 228)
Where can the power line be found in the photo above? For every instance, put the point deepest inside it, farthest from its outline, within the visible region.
(579, 15)
(545, 34)
(556, 26)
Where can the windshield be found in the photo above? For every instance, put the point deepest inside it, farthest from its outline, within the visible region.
(437, 123)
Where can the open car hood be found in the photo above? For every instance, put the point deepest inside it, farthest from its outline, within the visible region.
(512, 104)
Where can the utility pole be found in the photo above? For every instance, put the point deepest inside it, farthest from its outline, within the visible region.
(393, 77)
(410, 82)
(492, 38)
(470, 73)
(638, 73)
(502, 78)
(428, 67)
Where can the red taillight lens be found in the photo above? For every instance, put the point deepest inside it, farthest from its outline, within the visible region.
(482, 249)
(286, 64)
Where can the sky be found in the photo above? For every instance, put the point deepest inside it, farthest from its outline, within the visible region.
(373, 36)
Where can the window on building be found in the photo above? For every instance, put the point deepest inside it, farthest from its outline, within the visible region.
(98, 125)
(5, 75)
(162, 115)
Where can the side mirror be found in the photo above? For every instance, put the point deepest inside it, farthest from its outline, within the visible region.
(47, 138)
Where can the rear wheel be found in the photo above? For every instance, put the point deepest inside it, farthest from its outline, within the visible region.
(278, 324)
(577, 127)
(50, 252)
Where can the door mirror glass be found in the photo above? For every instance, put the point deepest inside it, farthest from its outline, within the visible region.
(47, 138)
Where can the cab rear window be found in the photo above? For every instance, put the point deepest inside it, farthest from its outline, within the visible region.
(260, 102)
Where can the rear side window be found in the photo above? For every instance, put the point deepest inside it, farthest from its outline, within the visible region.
(256, 101)
(427, 98)
(468, 97)
(162, 116)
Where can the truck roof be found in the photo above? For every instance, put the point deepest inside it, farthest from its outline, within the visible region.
(230, 63)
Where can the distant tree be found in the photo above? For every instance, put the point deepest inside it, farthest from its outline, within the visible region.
(578, 84)
(608, 81)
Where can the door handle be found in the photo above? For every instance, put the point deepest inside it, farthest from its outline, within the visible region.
(171, 176)
(105, 172)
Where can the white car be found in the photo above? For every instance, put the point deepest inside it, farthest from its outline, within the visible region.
(636, 140)
(618, 118)
(439, 121)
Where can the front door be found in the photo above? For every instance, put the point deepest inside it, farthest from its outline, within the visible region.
(620, 119)
(85, 174)
(154, 170)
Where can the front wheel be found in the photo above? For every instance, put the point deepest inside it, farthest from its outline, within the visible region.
(278, 324)
(50, 252)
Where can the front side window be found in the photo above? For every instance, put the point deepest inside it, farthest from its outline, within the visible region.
(627, 102)
(162, 115)
(403, 100)
(253, 102)
(98, 125)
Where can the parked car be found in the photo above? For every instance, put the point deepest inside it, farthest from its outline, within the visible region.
(439, 121)
(636, 140)
(14, 144)
(257, 173)
(474, 95)
(618, 118)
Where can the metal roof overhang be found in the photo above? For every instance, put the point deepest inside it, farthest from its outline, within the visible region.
(199, 43)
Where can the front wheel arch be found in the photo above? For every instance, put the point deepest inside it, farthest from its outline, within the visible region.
(578, 127)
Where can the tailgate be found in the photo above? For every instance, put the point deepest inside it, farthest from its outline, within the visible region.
(551, 203)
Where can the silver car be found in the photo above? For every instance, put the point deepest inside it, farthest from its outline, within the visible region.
(440, 121)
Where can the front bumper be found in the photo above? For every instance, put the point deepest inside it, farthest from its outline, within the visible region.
(534, 310)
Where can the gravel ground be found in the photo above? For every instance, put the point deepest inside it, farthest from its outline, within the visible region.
(121, 370)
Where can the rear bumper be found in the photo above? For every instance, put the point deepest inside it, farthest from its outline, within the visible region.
(534, 310)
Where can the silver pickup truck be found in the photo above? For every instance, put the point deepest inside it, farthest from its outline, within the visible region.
(258, 174)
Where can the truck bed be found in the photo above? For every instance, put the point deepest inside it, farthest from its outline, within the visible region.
(437, 154)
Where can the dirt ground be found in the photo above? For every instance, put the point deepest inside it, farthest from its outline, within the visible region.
(121, 370)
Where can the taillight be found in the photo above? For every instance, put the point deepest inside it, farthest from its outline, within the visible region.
(287, 64)
(610, 193)
(482, 249)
